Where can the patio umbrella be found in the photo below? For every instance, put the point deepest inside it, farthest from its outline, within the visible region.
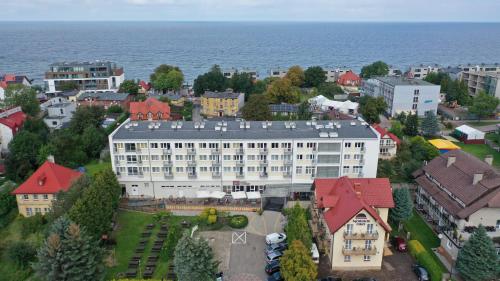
(253, 195)
(202, 194)
(217, 194)
(239, 195)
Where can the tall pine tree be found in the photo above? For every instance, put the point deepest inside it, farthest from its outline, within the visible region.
(297, 264)
(403, 209)
(430, 125)
(411, 125)
(194, 260)
(477, 260)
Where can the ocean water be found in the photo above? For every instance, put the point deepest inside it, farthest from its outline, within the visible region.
(29, 47)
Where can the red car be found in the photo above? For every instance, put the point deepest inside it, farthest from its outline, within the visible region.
(399, 243)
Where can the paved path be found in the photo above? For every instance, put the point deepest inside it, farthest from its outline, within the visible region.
(268, 222)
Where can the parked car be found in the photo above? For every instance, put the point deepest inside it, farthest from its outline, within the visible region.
(276, 247)
(330, 278)
(272, 267)
(399, 243)
(315, 253)
(275, 277)
(219, 276)
(275, 238)
(273, 256)
(421, 272)
(365, 279)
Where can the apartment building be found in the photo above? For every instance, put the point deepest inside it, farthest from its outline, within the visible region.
(94, 76)
(278, 72)
(457, 192)
(403, 94)
(150, 109)
(12, 79)
(421, 71)
(179, 159)
(105, 99)
(333, 74)
(349, 221)
(59, 114)
(220, 104)
(229, 73)
(482, 81)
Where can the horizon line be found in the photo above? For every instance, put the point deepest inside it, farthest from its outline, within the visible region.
(250, 21)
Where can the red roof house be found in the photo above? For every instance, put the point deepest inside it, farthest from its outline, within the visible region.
(349, 79)
(150, 109)
(144, 85)
(386, 134)
(343, 198)
(11, 121)
(50, 178)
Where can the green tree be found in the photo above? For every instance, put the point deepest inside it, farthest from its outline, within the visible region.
(194, 260)
(403, 209)
(65, 86)
(66, 147)
(458, 91)
(93, 141)
(477, 259)
(304, 111)
(314, 76)
(378, 68)
(439, 78)
(114, 109)
(7, 203)
(242, 83)
(296, 76)
(21, 253)
(411, 125)
(396, 129)
(23, 96)
(282, 90)
(129, 86)
(163, 68)
(69, 253)
(256, 108)
(386, 169)
(21, 161)
(168, 81)
(422, 150)
(371, 108)
(430, 124)
(64, 200)
(329, 90)
(297, 227)
(86, 116)
(213, 80)
(37, 126)
(297, 264)
(483, 105)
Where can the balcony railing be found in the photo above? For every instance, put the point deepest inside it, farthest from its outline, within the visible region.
(288, 151)
(361, 235)
(287, 174)
(263, 162)
(240, 151)
(167, 151)
(356, 251)
(240, 163)
(192, 176)
(216, 175)
(240, 175)
(263, 151)
(216, 163)
(215, 151)
(168, 175)
(167, 163)
(263, 175)
(191, 151)
(287, 162)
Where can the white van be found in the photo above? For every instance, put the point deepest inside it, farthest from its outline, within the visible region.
(315, 253)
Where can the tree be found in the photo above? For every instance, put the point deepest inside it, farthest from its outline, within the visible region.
(411, 125)
(314, 76)
(378, 68)
(430, 125)
(256, 108)
(168, 81)
(297, 264)
(483, 105)
(297, 226)
(242, 83)
(439, 78)
(477, 259)
(396, 129)
(86, 116)
(22, 158)
(329, 90)
(23, 96)
(66, 147)
(282, 90)
(386, 169)
(37, 126)
(304, 111)
(93, 141)
(422, 150)
(371, 108)
(7, 203)
(69, 253)
(163, 68)
(194, 260)
(213, 80)
(296, 76)
(403, 209)
(129, 86)
(21, 253)
(458, 91)
(64, 200)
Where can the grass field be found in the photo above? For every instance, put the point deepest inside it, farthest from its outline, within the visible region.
(480, 151)
(94, 167)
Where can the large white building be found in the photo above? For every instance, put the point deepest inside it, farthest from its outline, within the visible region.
(182, 159)
(478, 81)
(421, 71)
(403, 94)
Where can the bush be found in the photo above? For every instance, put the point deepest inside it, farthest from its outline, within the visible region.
(21, 253)
(415, 248)
(426, 260)
(115, 109)
(174, 234)
(32, 224)
(212, 219)
(162, 216)
(212, 211)
(238, 221)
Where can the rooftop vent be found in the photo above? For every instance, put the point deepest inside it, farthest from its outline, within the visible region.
(224, 129)
(353, 123)
(477, 178)
(247, 125)
(202, 124)
(333, 134)
(323, 134)
(217, 128)
(451, 160)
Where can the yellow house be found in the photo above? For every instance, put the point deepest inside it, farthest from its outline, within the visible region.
(36, 194)
(219, 104)
(350, 221)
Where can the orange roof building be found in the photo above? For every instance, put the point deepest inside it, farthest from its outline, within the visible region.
(150, 109)
(349, 79)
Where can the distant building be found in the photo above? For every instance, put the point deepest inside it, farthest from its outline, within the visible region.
(403, 94)
(144, 87)
(333, 74)
(284, 109)
(35, 195)
(93, 76)
(349, 221)
(480, 67)
(104, 99)
(229, 73)
(393, 71)
(388, 143)
(72, 95)
(11, 121)
(220, 104)
(150, 109)
(349, 79)
(59, 114)
(456, 193)
(11, 79)
(421, 71)
(278, 72)
(51, 101)
(482, 81)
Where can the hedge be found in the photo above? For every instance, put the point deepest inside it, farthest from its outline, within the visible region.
(415, 248)
(238, 221)
(426, 260)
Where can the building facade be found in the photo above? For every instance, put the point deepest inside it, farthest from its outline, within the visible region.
(421, 71)
(11, 121)
(179, 159)
(388, 142)
(150, 109)
(482, 81)
(59, 114)
(229, 73)
(278, 72)
(93, 76)
(350, 221)
(220, 104)
(11, 79)
(403, 94)
(105, 99)
(457, 192)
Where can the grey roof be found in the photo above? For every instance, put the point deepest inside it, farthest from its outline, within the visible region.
(283, 107)
(60, 105)
(104, 96)
(69, 93)
(277, 130)
(402, 81)
(221, 95)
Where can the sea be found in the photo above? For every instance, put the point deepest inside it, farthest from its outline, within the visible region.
(30, 47)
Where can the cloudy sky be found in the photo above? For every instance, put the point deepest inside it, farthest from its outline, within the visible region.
(252, 10)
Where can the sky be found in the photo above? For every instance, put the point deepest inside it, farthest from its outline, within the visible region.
(251, 10)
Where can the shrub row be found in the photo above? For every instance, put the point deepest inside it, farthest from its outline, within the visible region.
(425, 259)
(238, 221)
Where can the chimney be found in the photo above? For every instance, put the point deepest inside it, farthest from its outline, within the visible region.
(51, 159)
(477, 178)
(489, 159)
(451, 160)
(357, 189)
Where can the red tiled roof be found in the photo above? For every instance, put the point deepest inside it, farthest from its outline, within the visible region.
(14, 121)
(349, 78)
(343, 201)
(50, 178)
(3, 84)
(150, 105)
(383, 132)
(144, 85)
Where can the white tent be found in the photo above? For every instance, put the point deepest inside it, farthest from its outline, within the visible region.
(202, 194)
(323, 103)
(217, 194)
(472, 134)
(253, 195)
(239, 195)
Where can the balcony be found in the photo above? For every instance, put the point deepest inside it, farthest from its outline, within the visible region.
(263, 175)
(215, 150)
(240, 163)
(168, 175)
(216, 175)
(287, 162)
(240, 151)
(287, 174)
(361, 236)
(167, 163)
(263, 151)
(192, 176)
(167, 151)
(359, 251)
(288, 151)
(263, 162)
(139, 163)
(216, 163)
(191, 151)
(240, 175)
(191, 163)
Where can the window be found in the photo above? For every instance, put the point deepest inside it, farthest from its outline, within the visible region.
(202, 145)
(345, 169)
(347, 258)
(300, 156)
(415, 99)
(298, 170)
(300, 145)
(368, 244)
(130, 147)
(366, 258)
(498, 224)
(274, 145)
(357, 169)
(448, 244)
(347, 156)
(347, 144)
(178, 145)
(203, 169)
(227, 157)
(359, 144)
(35, 196)
(309, 170)
(26, 197)
(154, 145)
(178, 157)
(226, 145)
(179, 169)
(250, 157)
(29, 212)
(348, 244)
(311, 145)
(155, 157)
(131, 159)
(349, 228)
(275, 157)
(155, 169)
(132, 171)
(414, 106)
(45, 197)
(251, 145)
(165, 145)
(203, 157)
(416, 92)
(369, 228)
(358, 156)
(251, 169)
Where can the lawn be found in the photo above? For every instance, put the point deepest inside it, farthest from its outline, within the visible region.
(93, 167)
(480, 151)
(483, 123)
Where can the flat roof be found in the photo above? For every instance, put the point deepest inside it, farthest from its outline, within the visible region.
(341, 129)
(221, 95)
(402, 81)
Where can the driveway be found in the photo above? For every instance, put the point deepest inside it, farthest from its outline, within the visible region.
(266, 223)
